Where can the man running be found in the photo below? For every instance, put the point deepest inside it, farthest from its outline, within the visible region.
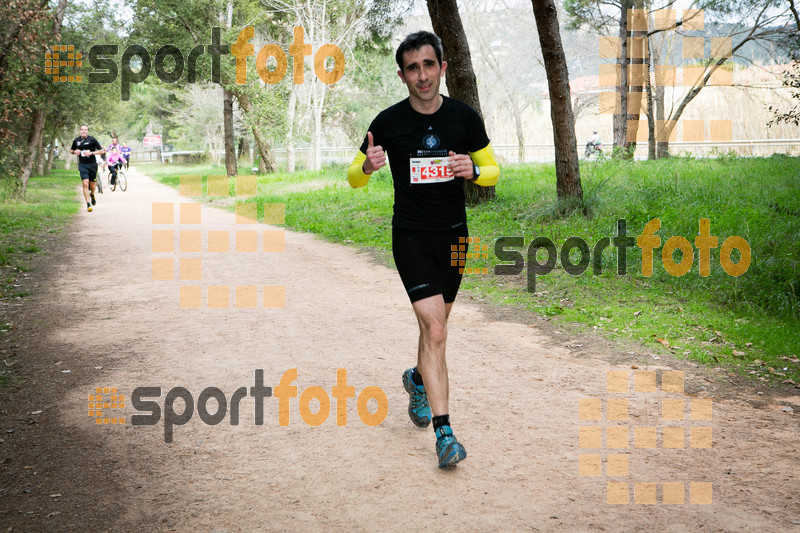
(86, 148)
(434, 142)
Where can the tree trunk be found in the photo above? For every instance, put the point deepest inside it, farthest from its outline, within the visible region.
(621, 117)
(51, 154)
(227, 123)
(266, 164)
(638, 54)
(568, 177)
(460, 78)
(33, 144)
(291, 157)
(40, 154)
(319, 91)
(39, 115)
(651, 123)
(244, 148)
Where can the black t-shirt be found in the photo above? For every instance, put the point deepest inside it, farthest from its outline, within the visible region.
(404, 133)
(89, 143)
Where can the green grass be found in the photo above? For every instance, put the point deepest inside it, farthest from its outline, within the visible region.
(47, 208)
(745, 324)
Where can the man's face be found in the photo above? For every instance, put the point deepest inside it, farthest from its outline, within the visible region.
(114, 140)
(84, 131)
(422, 73)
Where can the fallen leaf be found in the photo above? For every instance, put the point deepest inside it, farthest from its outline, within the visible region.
(738, 353)
(662, 341)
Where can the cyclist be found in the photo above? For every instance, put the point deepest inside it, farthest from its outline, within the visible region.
(114, 161)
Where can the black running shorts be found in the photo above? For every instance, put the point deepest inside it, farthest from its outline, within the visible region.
(423, 260)
(88, 171)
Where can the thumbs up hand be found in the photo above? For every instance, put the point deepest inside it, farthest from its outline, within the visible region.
(376, 157)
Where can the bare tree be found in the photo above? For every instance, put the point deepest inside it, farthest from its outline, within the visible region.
(568, 177)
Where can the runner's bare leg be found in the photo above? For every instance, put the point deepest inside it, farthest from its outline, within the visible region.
(432, 314)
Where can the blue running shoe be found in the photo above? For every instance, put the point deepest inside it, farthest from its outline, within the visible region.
(418, 408)
(449, 450)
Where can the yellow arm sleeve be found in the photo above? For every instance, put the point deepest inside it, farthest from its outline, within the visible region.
(490, 170)
(355, 172)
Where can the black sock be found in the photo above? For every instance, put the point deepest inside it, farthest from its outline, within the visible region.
(416, 377)
(439, 421)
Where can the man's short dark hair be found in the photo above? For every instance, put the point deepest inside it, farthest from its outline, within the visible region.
(417, 40)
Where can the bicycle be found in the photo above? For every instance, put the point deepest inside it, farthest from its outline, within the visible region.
(122, 181)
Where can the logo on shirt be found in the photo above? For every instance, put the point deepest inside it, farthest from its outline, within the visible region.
(431, 141)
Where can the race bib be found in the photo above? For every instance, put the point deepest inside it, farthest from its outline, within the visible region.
(430, 170)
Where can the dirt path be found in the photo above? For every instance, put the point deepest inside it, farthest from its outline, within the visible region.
(515, 396)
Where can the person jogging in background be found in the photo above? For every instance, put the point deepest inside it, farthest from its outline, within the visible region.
(114, 162)
(434, 143)
(86, 148)
(126, 153)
